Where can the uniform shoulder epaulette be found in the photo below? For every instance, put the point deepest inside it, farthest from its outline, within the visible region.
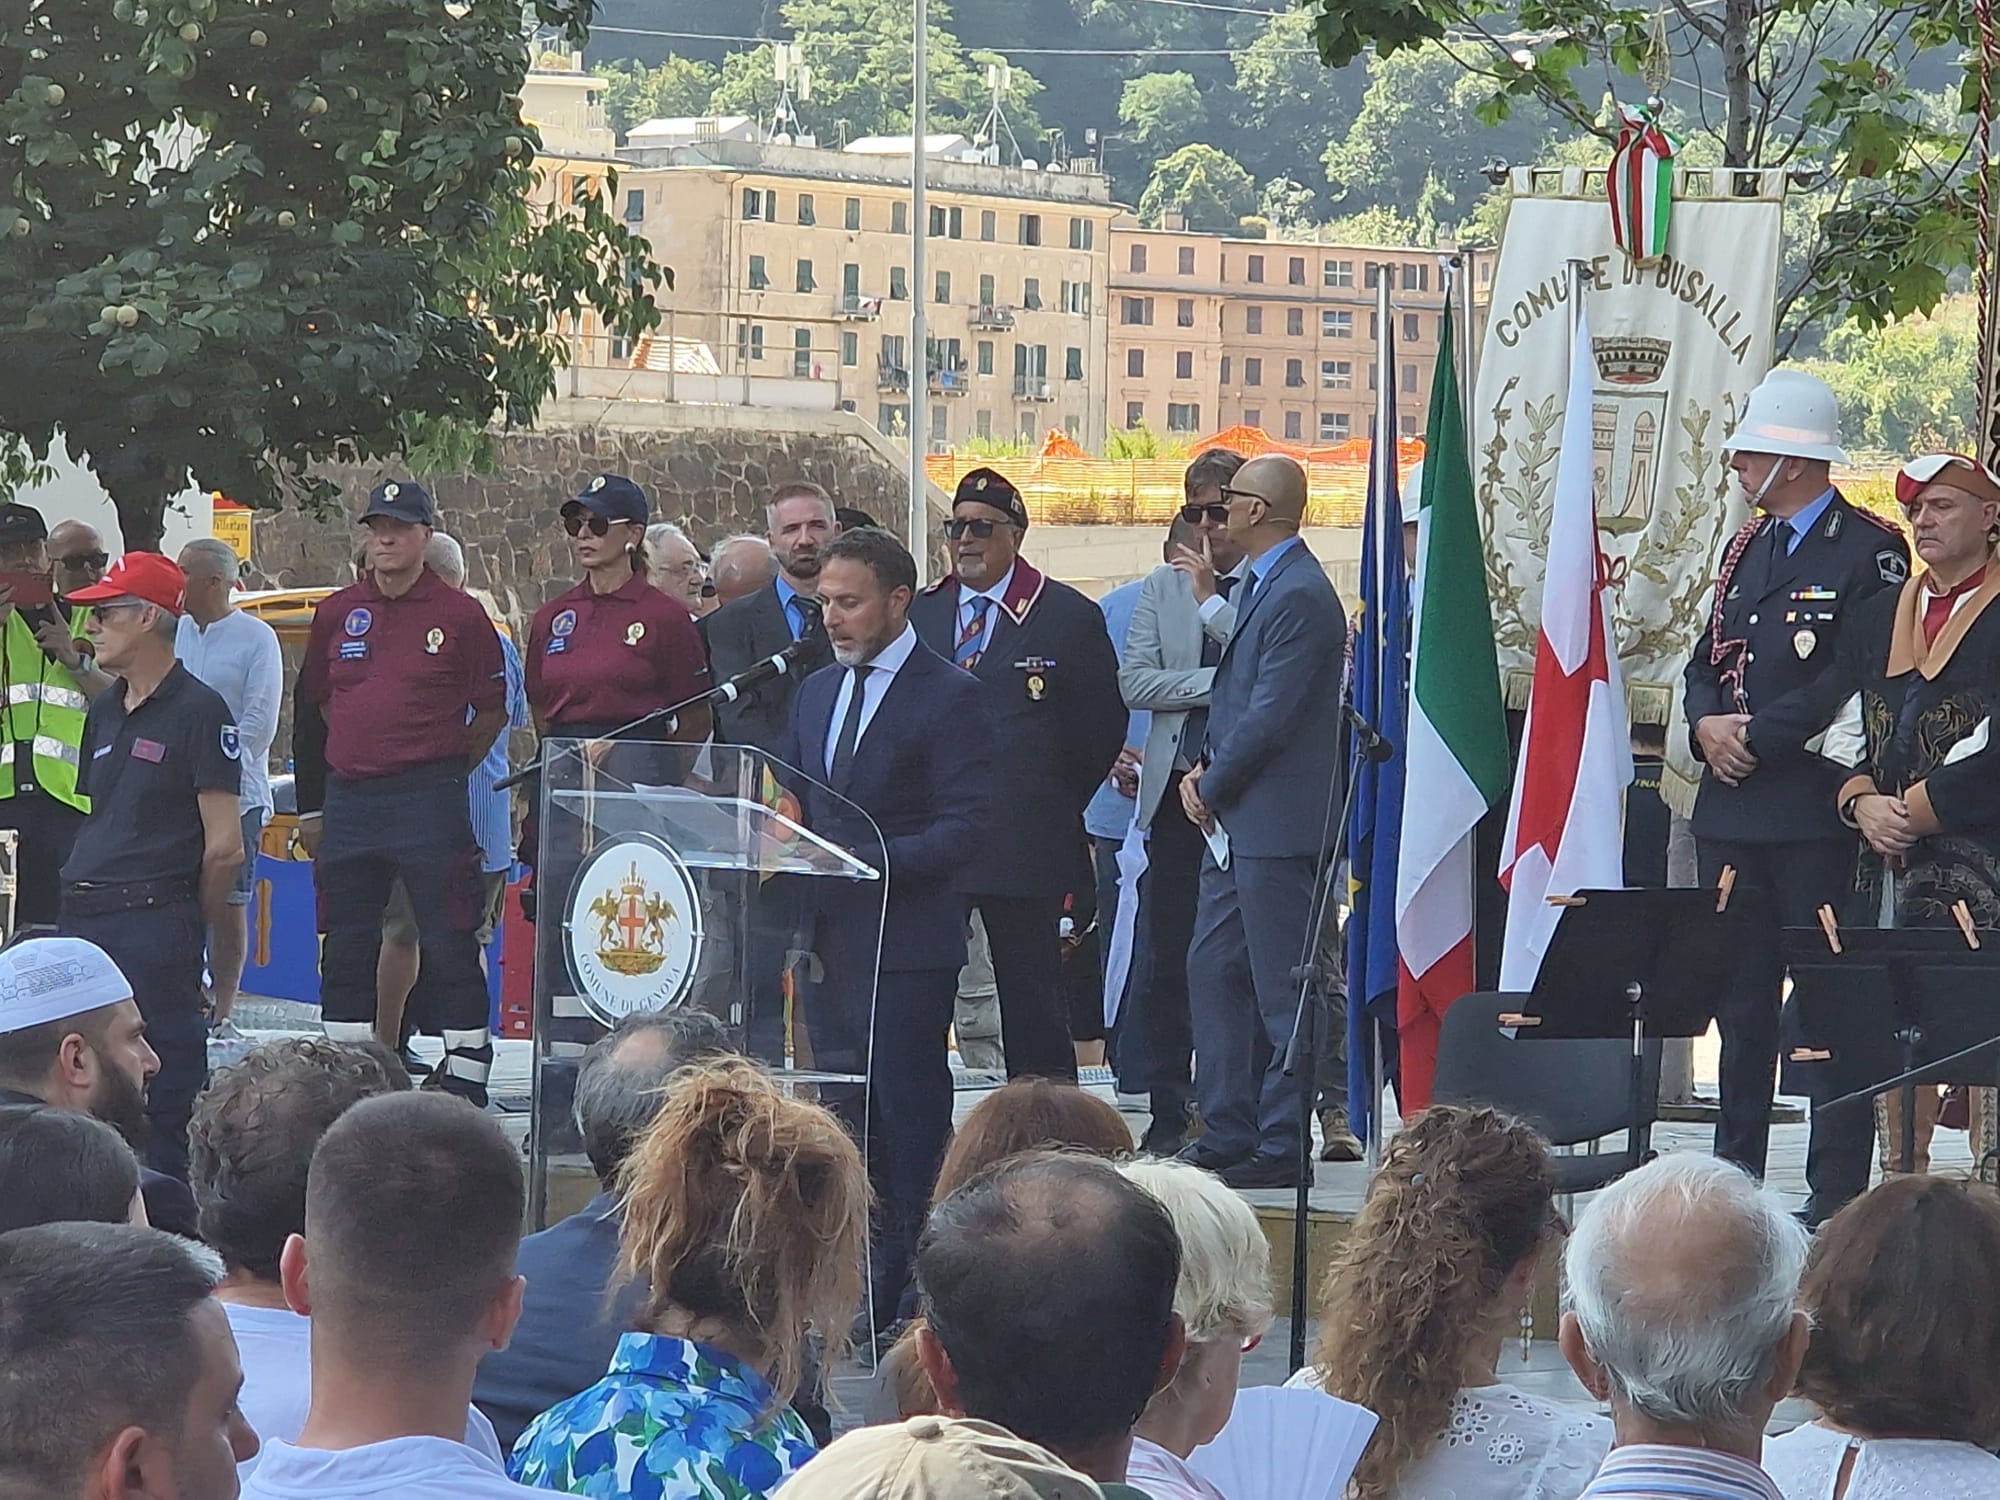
(1876, 518)
(940, 583)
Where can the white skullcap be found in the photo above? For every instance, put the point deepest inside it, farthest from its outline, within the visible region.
(54, 978)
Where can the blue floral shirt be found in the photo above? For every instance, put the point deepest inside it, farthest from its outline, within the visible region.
(670, 1420)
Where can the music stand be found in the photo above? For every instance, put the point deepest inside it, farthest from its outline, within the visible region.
(1644, 964)
(1888, 1009)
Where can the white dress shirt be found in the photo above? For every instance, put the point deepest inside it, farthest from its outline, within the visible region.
(410, 1468)
(238, 656)
(1212, 605)
(884, 665)
(996, 594)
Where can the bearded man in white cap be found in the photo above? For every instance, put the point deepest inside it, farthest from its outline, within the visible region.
(1761, 687)
(71, 1037)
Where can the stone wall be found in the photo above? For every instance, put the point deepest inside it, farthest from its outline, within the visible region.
(707, 468)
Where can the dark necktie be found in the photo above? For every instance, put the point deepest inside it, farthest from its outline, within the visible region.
(1780, 548)
(1195, 732)
(807, 611)
(850, 729)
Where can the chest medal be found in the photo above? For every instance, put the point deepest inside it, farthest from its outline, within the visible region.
(434, 641)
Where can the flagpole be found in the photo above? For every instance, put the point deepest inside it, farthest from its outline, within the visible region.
(1385, 469)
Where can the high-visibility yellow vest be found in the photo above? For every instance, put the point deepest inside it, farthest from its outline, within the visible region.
(44, 712)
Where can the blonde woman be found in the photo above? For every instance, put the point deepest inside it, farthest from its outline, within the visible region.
(1224, 1300)
(745, 1215)
(1420, 1302)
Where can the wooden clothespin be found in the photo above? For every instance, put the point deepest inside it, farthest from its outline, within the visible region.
(1830, 927)
(1515, 1018)
(1723, 887)
(1811, 1054)
(1963, 914)
(1568, 900)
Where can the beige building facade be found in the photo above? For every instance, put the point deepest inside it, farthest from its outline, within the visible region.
(1208, 331)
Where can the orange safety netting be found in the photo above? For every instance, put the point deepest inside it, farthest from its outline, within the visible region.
(1065, 486)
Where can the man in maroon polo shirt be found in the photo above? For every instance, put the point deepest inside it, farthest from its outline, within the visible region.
(381, 745)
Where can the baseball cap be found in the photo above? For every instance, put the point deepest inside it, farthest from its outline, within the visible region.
(402, 500)
(938, 1458)
(138, 575)
(991, 487)
(46, 979)
(615, 498)
(21, 523)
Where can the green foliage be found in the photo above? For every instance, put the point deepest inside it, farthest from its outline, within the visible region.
(1211, 190)
(678, 87)
(1162, 112)
(1908, 387)
(1372, 226)
(249, 236)
(1285, 105)
(996, 447)
(1143, 442)
(19, 468)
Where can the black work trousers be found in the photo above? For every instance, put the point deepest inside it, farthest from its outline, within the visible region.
(1025, 935)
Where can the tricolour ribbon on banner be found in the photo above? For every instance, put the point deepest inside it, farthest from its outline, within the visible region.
(1641, 186)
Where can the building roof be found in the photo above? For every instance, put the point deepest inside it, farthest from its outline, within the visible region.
(950, 144)
(685, 129)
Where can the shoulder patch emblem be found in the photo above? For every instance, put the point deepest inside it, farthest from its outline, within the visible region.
(358, 621)
(1835, 519)
(1891, 566)
(232, 742)
(563, 623)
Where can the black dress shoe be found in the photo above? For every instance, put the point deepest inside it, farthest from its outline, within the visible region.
(1262, 1172)
(1198, 1155)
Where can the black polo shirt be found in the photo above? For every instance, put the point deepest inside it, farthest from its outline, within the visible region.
(144, 772)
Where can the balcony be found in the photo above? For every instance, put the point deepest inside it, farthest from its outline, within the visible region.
(890, 377)
(993, 316)
(950, 380)
(1033, 388)
(857, 308)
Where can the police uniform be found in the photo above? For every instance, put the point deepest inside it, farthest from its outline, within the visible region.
(1769, 652)
(1050, 680)
(132, 882)
(380, 744)
(41, 727)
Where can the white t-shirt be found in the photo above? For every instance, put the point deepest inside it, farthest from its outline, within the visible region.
(1805, 1465)
(275, 1346)
(1162, 1475)
(238, 656)
(412, 1468)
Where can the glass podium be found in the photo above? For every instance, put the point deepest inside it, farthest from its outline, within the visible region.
(710, 876)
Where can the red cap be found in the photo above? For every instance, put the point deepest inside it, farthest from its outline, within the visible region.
(138, 575)
(1953, 469)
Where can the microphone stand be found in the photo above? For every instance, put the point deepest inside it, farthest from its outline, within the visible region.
(1313, 976)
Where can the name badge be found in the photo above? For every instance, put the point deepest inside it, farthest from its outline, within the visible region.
(353, 650)
(149, 750)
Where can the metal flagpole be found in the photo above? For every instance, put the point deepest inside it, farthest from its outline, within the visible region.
(919, 359)
(1385, 468)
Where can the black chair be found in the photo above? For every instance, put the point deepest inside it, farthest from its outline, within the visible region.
(1572, 1091)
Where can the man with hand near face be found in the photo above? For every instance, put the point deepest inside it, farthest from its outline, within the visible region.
(1049, 676)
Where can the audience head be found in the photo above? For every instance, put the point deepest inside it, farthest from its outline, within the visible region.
(118, 1373)
(413, 1218)
(801, 522)
(1031, 1114)
(1266, 502)
(70, 1033)
(1206, 513)
(1680, 1291)
(1898, 1347)
(58, 1166)
(937, 1458)
(849, 517)
(866, 581)
(742, 565)
(1441, 1256)
(444, 557)
(619, 1080)
(989, 518)
(77, 551)
(673, 563)
(211, 568)
(1223, 1296)
(745, 1214)
(1049, 1285)
(251, 1141)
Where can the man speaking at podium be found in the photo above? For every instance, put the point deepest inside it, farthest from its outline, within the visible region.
(901, 734)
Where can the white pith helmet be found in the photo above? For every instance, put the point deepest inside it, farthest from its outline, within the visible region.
(1793, 415)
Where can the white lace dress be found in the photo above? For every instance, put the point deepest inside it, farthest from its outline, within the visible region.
(1501, 1443)
(1805, 1465)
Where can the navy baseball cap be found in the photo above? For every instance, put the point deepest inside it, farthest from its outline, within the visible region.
(21, 523)
(615, 498)
(402, 500)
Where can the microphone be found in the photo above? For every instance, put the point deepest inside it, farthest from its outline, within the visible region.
(1370, 740)
(763, 671)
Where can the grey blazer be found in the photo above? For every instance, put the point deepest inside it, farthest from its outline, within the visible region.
(1162, 672)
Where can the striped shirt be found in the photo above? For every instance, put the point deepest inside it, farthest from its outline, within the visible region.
(1652, 1471)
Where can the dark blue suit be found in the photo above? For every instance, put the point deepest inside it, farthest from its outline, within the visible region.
(921, 773)
(1272, 761)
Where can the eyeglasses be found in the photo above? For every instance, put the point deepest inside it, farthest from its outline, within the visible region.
(1233, 496)
(1194, 514)
(575, 521)
(84, 562)
(956, 528)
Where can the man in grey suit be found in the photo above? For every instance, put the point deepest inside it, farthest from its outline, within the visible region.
(1263, 783)
(1180, 623)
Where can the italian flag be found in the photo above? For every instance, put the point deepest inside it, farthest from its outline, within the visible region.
(1456, 742)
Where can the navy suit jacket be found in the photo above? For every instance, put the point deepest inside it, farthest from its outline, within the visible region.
(1274, 714)
(923, 771)
(740, 634)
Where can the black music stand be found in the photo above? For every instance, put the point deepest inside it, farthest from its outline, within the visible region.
(1889, 1009)
(1644, 964)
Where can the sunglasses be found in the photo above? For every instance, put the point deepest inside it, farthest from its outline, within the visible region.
(1194, 514)
(83, 561)
(1234, 495)
(956, 528)
(576, 522)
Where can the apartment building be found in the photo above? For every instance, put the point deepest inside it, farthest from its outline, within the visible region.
(1209, 331)
(791, 257)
